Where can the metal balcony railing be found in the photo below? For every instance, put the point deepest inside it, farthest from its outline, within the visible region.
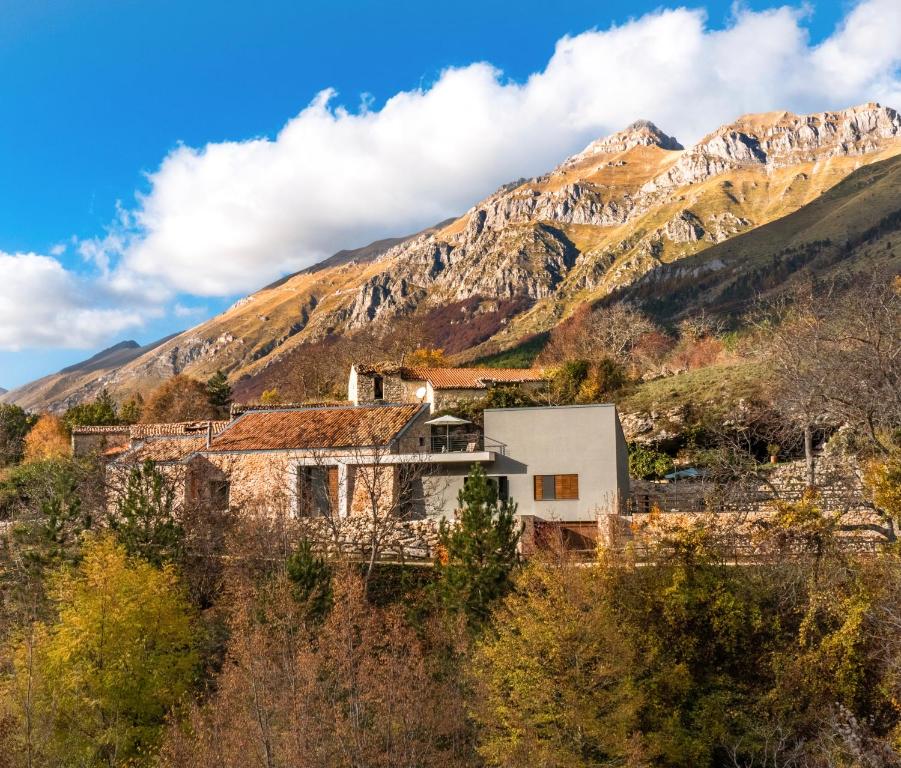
(469, 442)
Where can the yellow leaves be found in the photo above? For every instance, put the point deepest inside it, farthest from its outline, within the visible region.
(120, 654)
(47, 440)
(882, 478)
(427, 357)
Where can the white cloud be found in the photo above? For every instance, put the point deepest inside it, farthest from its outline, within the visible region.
(229, 217)
(43, 305)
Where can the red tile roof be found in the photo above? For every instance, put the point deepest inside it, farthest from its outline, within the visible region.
(305, 428)
(105, 430)
(473, 378)
(238, 408)
(137, 431)
(165, 449)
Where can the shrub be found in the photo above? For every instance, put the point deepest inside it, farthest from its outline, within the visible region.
(647, 463)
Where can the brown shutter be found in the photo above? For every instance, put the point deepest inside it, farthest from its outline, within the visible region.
(333, 488)
(566, 486)
(539, 490)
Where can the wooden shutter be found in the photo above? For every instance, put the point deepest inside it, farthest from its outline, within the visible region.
(539, 488)
(333, 488)
(566, 486)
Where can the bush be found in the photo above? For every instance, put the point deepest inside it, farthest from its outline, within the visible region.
(648, 464)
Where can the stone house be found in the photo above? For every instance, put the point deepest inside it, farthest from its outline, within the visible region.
(441, 388)
(566, 467)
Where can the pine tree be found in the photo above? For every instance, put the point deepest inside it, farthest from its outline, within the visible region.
(219, 393)
(479, 552)
(131, 409)
(145, 523)
(312, 580)
(103, 411)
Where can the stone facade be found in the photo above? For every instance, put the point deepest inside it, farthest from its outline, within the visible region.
(96, 440)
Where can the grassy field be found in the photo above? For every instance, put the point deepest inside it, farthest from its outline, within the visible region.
(720, 386)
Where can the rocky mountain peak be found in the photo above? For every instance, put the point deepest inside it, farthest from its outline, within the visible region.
(641, 133)
(780, 139)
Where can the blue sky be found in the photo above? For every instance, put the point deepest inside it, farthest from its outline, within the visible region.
(98, 95)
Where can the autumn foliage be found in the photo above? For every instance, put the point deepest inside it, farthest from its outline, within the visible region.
(48, 439)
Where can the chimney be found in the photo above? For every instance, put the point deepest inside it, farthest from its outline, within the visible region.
(209, 434)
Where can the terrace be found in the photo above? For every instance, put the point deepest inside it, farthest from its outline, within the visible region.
(450, 434)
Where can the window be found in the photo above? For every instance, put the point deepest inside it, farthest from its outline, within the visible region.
(503, 487)
(317, 491)
(378, 388)
(550, 487)
(219, 491)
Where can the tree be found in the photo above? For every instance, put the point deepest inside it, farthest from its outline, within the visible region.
(145, 522)
(48, 439)
(568, 380)
(131, 409)
(479, 552)
(835, 358)
(427, 357)
(179, 398)
(270, 397)
(219, 394)
(311, 576)
(605, 378)
(647, 463)
(103, 675)
(593, 333)
(14, 426)
(100, 412)
(552, 682)
(360, 691)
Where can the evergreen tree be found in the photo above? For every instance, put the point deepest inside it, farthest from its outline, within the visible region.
(219, 393)
(14, 426)
(312, 579)
(131, 409)
(145, 523)
(479, 552)
(101, 412)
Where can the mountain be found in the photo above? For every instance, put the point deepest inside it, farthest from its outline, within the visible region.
(3, 391)
(56, 390)
(634, 214)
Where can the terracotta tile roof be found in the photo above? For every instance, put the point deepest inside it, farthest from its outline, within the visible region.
(473, 378)
(329, 427)
(138, 431)
(454, 378)
(165, 449)
(95, 430)
(238, 408)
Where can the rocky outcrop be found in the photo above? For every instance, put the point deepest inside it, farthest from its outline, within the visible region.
(641, 133)
(513, 262)
(781, 140)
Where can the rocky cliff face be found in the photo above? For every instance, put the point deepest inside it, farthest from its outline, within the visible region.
(622, 208)
(783, 139)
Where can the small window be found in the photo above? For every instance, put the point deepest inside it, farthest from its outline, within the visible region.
(378, 388)
(553, 487)
(502, 484)
(219, 493)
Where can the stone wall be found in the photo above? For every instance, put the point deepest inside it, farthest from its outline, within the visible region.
(84, 444)
(352, 536)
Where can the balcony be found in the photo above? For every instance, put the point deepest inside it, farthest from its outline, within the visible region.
(464, 442)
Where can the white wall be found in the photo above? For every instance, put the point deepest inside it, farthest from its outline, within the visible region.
(585, 440)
